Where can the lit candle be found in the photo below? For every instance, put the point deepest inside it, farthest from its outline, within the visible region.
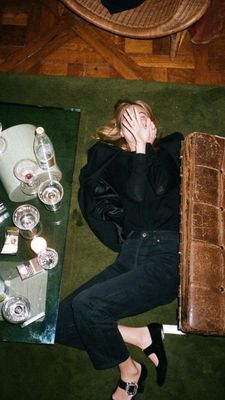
(38, 243)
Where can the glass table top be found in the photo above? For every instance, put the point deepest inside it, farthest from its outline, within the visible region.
(42, 290)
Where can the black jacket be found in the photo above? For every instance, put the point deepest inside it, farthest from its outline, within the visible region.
(95, 191)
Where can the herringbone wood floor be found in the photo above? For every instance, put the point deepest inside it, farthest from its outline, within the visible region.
(35, 38)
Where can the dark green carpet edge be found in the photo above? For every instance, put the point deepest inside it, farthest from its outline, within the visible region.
(197, 368)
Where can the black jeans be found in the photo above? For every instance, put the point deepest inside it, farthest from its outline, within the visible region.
(143, 276)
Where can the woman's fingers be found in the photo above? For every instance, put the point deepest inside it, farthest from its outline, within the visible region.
(136, 115)
(152, 130)
(127, 126)
(130, 117)
(137, 127)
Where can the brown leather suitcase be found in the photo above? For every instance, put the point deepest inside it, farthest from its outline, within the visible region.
(202, 264)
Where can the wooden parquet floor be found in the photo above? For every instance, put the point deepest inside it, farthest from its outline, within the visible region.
(35, 38)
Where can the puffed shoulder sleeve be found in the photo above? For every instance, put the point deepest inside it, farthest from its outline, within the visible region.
(98, 202)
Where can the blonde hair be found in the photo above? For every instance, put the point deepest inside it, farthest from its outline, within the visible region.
(110, 132)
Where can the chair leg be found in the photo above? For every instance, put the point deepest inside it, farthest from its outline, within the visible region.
(61, 9)
(175, 42)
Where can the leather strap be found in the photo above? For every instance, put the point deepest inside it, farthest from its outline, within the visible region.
(130, 388)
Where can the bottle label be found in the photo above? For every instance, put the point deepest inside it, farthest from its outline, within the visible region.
(51, 162)
(45, 155)
(47, 163)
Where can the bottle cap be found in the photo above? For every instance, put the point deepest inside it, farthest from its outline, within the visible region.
(39, 130)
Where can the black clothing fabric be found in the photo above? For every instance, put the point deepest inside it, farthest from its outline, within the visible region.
(144, 275)
(131, 202)
(123, 191)
(115, 6)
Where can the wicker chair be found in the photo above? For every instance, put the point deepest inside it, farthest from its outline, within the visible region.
(152, 19)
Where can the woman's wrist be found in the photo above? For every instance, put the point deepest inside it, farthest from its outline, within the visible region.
(141, 147)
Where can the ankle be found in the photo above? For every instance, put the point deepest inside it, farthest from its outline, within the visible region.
(132, 373)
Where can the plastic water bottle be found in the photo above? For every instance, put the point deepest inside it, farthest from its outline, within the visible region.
(43, 149)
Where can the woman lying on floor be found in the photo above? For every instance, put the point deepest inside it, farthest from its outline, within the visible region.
(129, 195)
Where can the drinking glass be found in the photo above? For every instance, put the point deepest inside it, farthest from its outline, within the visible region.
(51, 193)
(47, 258)
(26, 171)
(27, 218)
(16, 309)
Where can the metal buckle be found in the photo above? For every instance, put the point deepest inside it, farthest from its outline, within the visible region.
(131, 388)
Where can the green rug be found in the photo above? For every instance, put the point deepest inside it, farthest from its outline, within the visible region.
(196, 363)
